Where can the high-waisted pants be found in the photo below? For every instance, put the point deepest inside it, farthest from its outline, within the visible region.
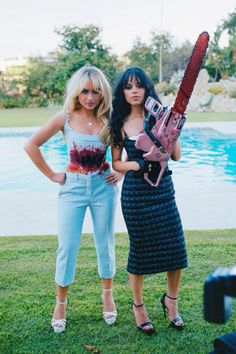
(79, 192)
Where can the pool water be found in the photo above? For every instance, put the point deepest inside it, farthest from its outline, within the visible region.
(207, 152)
(207, 155)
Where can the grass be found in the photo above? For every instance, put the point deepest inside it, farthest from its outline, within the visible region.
(26, 117)
(211, 116)
(31, 117)
(27, 299)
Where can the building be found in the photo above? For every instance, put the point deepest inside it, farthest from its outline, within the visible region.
(10, 62)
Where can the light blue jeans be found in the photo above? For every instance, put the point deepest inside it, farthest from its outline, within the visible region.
(79, 192)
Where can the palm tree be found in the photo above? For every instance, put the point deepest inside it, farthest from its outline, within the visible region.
(221, 62)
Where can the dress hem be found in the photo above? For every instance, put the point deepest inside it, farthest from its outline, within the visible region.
(157, 271)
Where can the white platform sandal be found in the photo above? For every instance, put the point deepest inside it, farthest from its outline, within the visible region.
(59, 326)
(109, 316)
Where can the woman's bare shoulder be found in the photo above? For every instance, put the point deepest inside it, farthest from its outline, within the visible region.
(59, 117)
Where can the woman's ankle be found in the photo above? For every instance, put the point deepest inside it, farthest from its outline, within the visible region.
(60, 309)
(172, 305)
(140, 314)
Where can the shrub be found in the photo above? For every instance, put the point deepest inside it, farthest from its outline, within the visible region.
(23, 102)
(216, 89)
(232, 93)
(9, 102)
(39, 102)
(166, 89)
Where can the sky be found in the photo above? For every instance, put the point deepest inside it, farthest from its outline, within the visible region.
(27, 26)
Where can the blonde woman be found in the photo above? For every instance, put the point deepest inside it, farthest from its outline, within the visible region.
(87, 182)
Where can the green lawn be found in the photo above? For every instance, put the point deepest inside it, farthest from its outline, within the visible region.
(27, 299)
(211, 116)
(26, 117)
(30, 117)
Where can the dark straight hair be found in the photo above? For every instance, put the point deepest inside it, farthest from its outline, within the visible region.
(121, 109)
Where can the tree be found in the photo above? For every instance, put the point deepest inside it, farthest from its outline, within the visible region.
(162, 45)
(75, 38)
(140, 55)
(222, 61)
(147, 56)
(37, 74)
(80, 46)
(179, 57)
(230, 26)
(46, 78)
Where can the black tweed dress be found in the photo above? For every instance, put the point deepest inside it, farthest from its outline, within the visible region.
(153, 222)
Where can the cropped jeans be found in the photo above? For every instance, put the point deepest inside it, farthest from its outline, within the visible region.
(77, 193)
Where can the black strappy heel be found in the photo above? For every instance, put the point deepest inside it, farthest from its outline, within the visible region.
(141, 327)
(176, 319)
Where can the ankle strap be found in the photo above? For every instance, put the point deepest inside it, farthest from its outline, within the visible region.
(133, 304)
(172, 298)
(61, 302)
(105, 290)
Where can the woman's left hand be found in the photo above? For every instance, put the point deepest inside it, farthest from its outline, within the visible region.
(114, 177)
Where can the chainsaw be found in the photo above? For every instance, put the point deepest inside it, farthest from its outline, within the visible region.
(163, 125)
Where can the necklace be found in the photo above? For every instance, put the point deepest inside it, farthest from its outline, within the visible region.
(90, 121)
(136, 116)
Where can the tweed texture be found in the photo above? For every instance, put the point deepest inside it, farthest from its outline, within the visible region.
(153, 222)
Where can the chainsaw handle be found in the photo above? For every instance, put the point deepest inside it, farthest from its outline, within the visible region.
(163, 165)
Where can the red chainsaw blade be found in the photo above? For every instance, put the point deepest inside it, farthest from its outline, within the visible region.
(191, 73)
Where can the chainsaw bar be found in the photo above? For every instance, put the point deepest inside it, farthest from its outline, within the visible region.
(191, 73)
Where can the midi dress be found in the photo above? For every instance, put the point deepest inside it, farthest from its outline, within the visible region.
(152, 219)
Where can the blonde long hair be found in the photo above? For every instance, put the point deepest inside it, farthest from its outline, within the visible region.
(101, 84)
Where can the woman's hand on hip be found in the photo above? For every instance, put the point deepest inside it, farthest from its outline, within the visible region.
(58, 177)
(114, 177)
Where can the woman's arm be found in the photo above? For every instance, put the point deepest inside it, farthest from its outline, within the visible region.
(32, 147)
(176, 155)
(122, 166)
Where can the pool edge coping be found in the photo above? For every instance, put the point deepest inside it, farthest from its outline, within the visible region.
(226, 127)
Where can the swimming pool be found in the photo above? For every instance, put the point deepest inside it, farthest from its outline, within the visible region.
(207, 156)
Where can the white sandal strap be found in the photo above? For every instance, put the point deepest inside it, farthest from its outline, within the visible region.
(107, 315)
(105, 290)
(61, 302)
(58, 323)
(110, 313)
(110, 316)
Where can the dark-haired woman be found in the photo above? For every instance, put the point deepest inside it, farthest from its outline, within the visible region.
(154, 226)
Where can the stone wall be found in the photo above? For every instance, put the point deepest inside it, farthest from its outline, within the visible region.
(203, 100)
